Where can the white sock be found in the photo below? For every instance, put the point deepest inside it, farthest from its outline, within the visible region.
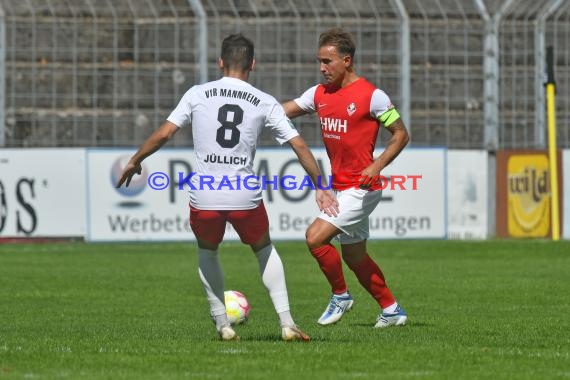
(273, 277)
(391, 309)
(212, 279)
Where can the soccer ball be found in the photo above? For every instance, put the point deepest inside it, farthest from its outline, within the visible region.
(237, 306)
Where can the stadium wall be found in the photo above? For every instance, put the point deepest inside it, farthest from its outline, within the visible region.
(433, 193)
(465, 74)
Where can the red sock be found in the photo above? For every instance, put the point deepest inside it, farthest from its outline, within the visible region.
(372, 279)
(329, 260)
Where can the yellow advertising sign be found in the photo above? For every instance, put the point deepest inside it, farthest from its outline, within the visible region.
(528, 196)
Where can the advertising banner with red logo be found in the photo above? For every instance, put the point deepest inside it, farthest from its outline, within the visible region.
(413, 204)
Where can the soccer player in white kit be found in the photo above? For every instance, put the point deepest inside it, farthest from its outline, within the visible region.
(227, 116)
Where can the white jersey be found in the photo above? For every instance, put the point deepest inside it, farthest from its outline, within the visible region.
(379, 102)
(227, 116)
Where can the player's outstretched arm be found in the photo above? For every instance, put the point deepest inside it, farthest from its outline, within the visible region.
(155, 141)
(292, 109)
(325, 198)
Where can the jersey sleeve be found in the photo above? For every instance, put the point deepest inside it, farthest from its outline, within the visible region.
(307, 100)
(382, 109)
(281, 126)
(182, 114)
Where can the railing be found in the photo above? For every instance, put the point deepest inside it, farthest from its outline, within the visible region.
(464, 74)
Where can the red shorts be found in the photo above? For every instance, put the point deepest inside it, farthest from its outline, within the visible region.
(210, 225)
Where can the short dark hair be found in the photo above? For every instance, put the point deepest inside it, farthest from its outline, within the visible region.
(340, 39)
(237, 52)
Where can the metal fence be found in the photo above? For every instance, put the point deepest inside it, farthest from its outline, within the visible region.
(526, 29)
(464, 73)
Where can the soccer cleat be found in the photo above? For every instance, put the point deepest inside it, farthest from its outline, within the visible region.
(291, 333)
(398, 318)
(227, 333)
(338, 305)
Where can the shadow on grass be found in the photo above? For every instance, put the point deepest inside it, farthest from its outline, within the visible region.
(408, 325)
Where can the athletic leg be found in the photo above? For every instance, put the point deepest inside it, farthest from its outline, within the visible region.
(253, 228)
(319, 234)
(318, 238)
(209, 228)
(368, 273)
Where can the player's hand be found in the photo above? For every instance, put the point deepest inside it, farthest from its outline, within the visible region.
(368, 177)
(128, 172)
(327, 202)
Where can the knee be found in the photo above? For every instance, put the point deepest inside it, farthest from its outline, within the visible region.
(263, 242)
(204, 244)
(312, 239)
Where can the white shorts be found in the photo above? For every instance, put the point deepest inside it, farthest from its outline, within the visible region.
(355, 206)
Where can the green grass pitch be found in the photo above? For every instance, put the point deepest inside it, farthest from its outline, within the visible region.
(477, 310)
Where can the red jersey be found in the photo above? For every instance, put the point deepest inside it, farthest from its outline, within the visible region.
(349, 126)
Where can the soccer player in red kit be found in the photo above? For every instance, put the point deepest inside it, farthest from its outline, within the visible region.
(350, 110)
